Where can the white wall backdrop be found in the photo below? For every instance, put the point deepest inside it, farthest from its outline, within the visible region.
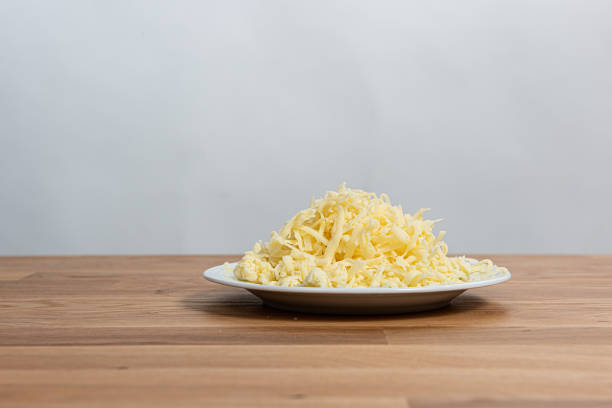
(198, 127)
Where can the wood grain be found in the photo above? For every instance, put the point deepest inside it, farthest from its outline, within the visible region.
(150, 331)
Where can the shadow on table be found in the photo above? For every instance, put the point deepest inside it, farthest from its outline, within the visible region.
(245, 305)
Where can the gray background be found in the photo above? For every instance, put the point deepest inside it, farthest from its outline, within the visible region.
(198, 127)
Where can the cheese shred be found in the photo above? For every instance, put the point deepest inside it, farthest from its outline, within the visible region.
(355, 239)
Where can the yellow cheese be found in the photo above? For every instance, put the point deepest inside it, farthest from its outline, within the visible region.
(355, 239)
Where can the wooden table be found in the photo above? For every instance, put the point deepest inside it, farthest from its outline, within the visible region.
(149, 331)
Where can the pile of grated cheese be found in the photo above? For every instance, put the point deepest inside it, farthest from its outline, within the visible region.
(355, 239)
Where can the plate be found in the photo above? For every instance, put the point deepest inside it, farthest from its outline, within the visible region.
(355, 301)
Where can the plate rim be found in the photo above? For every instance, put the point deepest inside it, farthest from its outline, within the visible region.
(217, 274)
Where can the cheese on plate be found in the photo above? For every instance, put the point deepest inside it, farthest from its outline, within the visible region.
(355, 239)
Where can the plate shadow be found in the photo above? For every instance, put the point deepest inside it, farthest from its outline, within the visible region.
(242, 304)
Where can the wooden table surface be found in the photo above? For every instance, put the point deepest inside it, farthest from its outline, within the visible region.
(149, 331)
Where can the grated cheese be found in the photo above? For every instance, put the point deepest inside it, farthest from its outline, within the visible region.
(355, 239)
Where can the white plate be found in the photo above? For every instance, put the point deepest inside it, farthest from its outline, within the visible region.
(351, 300)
